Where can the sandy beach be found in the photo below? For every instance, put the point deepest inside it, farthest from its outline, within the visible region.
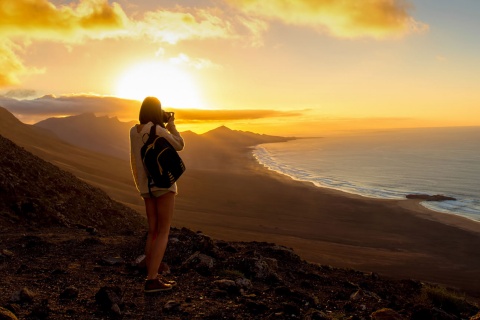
(228, 195)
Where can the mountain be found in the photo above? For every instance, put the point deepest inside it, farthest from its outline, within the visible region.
(238, 138)
(110, 136)
(100, 134)
(111, 174)
(35, 192)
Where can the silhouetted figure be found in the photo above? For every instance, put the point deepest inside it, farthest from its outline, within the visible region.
(160, 203)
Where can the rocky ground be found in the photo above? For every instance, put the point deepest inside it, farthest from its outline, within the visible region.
(67, 251)
(64, 273)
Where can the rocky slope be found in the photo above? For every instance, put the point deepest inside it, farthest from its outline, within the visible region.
(34, 192)
(69, 252)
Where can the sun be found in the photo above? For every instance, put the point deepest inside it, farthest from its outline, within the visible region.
(172, 85)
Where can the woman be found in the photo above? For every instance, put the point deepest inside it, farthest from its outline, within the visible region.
(160, 204)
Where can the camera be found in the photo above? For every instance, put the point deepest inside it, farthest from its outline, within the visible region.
(166, 116)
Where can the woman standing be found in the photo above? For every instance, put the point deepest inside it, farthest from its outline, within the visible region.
(160, 203)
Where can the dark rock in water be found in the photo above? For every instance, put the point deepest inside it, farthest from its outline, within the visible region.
(427, 197)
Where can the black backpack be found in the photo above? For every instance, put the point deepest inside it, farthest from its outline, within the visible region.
(162, 163)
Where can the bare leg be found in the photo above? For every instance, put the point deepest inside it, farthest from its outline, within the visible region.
(159, 215)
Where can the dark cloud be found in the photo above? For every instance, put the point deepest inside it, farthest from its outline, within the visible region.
(51, 106)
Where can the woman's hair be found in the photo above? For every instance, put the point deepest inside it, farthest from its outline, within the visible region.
(151, 110)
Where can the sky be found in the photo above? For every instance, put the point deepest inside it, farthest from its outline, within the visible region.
(286, 67)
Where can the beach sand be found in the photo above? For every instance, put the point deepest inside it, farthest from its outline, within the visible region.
(228, 195)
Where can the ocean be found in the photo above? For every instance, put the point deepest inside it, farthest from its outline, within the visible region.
(388, 164)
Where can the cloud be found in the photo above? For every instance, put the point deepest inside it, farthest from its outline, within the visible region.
(184, 59)
(25, 21)
(30, 111)
(40, 19)
(186, 115)
(183, 23)
(10, 65)
(342, 18)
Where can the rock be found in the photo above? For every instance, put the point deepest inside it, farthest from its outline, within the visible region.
(363, 294)
(112, 261)
(475, 317)
(283, 291)
(140, 262)
(256, 307)
(7, 314)
(41, 311)
(427, 197)
(69, 293)
(24, 295)
(244, 283)
(200, 262)
(265, 269)
(386, 314)
(314, 314)
(228, 285)
(171, 305)
(291, 308)
(7, 253)
(107, 297)
(116, 309)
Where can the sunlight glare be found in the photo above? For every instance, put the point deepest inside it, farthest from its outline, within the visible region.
(173, 86)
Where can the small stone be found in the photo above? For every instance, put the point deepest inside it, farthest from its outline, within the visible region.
(116, 309)
(283, 291)
(171, 305)
(244, 283)
(476, 317)
(225, 284)
(91, 230)
(7, 314)
(200, 262)
(7, 253)
(69, 293)
(26, 295)
(359, 294)
(108, 296)
(386, 314)
(112, 261)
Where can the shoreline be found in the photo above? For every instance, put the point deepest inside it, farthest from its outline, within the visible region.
(421, 207)
(415, 205)
(235, 198)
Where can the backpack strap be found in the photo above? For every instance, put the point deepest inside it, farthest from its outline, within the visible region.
(152, 134)
(151, 138)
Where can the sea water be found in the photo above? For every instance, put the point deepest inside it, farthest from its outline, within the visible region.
(388, 164)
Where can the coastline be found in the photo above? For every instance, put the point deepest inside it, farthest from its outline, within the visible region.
(236, 198)
(415, 205)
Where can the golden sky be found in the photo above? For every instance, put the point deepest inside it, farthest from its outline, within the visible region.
(288, 67)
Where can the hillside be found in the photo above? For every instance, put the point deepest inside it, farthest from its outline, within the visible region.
(68, 251)
(110, 136)
(34, 192)
(99, 134)
(109, 173)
